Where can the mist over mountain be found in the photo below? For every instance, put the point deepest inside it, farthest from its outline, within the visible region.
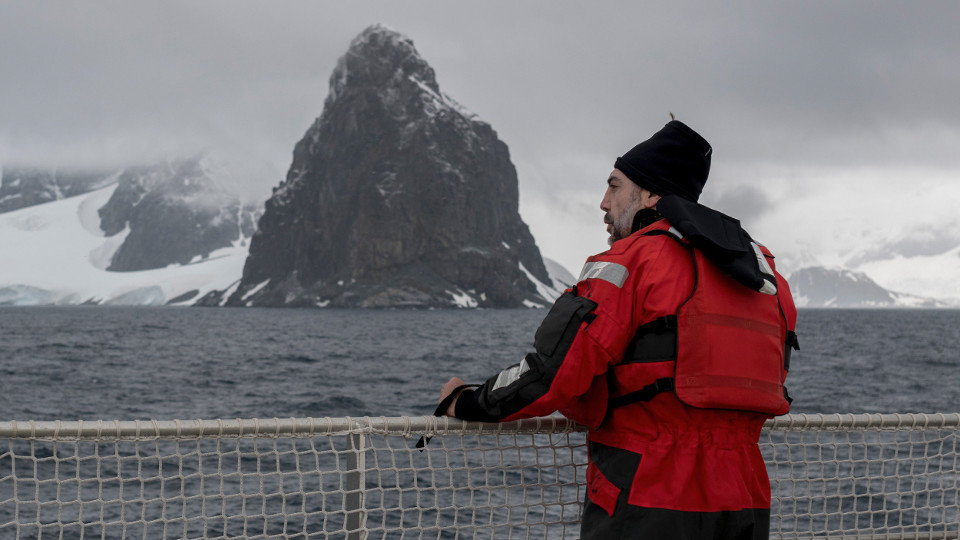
(397, 196)
(170, 213)
(21, 187)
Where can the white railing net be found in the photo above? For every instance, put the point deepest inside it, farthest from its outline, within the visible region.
(886, 476)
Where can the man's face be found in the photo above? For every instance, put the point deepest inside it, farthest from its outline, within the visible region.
(621, 202)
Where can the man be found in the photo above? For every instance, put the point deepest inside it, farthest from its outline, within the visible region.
(672, 348)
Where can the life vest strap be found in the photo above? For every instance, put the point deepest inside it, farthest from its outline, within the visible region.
(792, 344)
(646, 393)
(655, 341)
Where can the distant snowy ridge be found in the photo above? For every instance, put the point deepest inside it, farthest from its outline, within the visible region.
(51, 254)
(822, 287)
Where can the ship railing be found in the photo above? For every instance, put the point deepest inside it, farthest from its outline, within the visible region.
(832, 475)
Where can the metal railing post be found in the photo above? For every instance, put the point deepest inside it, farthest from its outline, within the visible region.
(355, 482)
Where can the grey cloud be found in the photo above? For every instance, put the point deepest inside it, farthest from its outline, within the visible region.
(742, 201)
(843, 84)
(926, 241)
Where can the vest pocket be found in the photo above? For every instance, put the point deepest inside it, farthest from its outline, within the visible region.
(602, 492)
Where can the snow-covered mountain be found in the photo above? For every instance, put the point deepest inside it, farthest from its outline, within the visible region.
(818, 286)
(192, 239)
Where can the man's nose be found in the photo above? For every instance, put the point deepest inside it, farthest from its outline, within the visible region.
(605, 203)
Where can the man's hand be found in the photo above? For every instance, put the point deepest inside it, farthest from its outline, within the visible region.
(447, 389)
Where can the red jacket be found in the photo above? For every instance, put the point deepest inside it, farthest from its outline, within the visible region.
(700, 460)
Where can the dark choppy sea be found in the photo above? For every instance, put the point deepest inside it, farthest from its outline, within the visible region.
(164, 363)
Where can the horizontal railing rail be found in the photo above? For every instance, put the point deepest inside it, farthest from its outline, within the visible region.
(417, 425)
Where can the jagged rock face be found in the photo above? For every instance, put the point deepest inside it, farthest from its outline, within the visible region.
(21, 187)
(174, 212)
(397, 196)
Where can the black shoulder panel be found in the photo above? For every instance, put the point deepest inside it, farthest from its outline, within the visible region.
(517, 387)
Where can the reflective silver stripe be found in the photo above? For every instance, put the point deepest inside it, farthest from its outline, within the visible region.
(769, 287)
(511, 374)
(676, 234)
(610, 272)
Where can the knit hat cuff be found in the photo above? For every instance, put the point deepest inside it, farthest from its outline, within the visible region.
(652, 184)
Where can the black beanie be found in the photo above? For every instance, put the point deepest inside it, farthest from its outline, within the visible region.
(675, 161)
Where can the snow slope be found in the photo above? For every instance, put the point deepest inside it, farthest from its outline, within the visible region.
(936, 276)
(55, 253)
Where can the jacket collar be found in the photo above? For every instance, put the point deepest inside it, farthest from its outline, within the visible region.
(644, 218)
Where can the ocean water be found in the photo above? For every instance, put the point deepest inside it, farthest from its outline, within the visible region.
(141, 363)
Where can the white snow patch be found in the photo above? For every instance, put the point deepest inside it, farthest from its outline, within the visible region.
(504, 244)
(462, 299)
(322, 303)
(87, 211)
(457, 106)
(561, 277)
(533, 305)
(101, 255)
(255, 290)
(906, 300)
(229, 292)
(547, 292)
(150, 295)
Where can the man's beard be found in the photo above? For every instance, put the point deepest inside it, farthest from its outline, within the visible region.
(622, 225)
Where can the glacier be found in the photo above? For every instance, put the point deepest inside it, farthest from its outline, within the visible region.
(56, 254)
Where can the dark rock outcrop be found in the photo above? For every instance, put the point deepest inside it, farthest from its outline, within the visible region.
(21, 187)
(397, 196)
(175, 212)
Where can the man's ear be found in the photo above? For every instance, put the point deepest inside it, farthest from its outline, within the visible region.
(651, 200)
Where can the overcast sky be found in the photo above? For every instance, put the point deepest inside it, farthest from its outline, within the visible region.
(835, 126)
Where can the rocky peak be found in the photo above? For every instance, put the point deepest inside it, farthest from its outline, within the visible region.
(380, 57)
(397, 195)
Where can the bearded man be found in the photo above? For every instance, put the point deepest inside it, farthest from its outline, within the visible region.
(672, 348)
